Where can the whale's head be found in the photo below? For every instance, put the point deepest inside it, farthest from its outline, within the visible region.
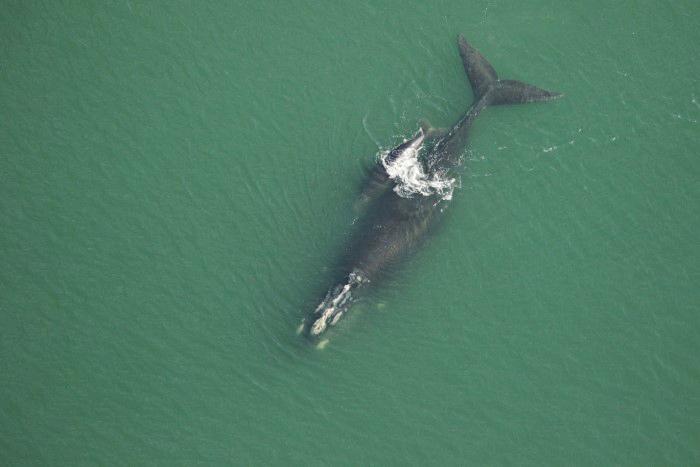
(334, 305)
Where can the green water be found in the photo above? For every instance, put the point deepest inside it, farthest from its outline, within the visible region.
(176, 178)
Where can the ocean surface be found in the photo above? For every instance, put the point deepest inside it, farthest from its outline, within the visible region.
(176, 179)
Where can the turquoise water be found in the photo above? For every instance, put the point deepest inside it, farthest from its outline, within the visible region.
(176, 179)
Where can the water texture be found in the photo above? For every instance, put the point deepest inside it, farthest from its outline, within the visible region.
(176, 178)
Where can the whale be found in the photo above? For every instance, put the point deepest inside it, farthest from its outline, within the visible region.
(394, 224)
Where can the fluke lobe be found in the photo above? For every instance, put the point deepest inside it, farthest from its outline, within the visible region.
(393, 225)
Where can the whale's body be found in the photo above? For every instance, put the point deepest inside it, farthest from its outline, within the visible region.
(394, 225)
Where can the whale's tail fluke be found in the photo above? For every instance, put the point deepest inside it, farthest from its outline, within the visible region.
(486, 85)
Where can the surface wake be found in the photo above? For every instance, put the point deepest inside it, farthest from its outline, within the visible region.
(410, 177)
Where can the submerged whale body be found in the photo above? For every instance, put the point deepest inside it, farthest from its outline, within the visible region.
(397, 218)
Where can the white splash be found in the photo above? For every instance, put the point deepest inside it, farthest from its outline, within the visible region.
(411, 179)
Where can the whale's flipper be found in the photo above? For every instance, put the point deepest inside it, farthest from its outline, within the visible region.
(487, 86)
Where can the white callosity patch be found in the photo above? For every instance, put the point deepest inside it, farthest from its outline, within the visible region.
(333, 310)
(320, 324)
(333, 305)
(410, 177)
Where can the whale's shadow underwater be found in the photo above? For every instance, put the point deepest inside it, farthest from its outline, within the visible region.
(396, 219)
